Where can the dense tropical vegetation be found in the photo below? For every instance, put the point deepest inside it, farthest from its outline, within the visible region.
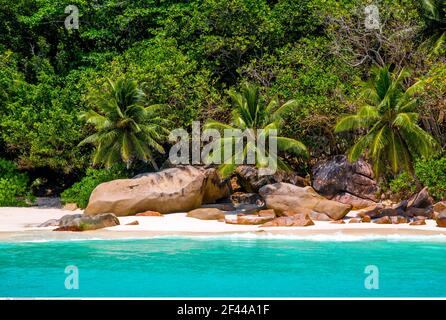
(257, 119)
(393, 138)
(176, 61)
(127, 129)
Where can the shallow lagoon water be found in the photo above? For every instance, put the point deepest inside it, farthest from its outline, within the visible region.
(239, 266)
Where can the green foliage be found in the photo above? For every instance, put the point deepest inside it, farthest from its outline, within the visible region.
(38, 122)
(321, 85)
(404, 185)
(127, 128)
(393, 139)
(168, 76)
(80, 192)
(13, 185)
(432, 174)
(434, 14)
(251, 112)
(187, 53)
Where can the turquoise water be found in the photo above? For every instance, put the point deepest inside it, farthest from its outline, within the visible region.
(223, 267)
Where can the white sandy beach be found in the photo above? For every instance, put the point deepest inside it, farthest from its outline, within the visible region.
(21, 223)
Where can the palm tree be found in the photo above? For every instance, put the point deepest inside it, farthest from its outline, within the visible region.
(392, 138)
(251, 113)
(434, 12)
(127, 129)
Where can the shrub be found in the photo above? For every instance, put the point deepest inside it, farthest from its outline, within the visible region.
(403, 185)
(13, 185)
(432, 174)
(80, 192)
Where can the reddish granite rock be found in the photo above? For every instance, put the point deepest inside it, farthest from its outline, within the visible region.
(338, 222)
(383, 220)
(420, 200)
(441, 220)
(401, 206)
(399, 219)
(366, 219)
(290, 213)
(319, 216)
(206, 214)
(419, 222)
(261, 217)
(298, 220)
(423, 212)
(349, 181)
(391, 212)
(355, 201)
(440, 207)
(284, 196)
(266, 213)
(253, 219)
(133, 223)
(149, 214)
(371, 211)
(354, 220)
(230, 219)
(246, 198)
(178, 189)
(249, 179)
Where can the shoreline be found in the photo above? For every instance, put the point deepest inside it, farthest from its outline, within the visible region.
(20, 225)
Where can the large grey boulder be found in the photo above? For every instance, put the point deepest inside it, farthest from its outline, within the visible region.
(421, 199)
(350, 183)
(287, 197)
(82, 222)
(177, 189)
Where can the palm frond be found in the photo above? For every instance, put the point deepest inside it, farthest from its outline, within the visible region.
(285, 108)
(213, 124)
(292, 145)
(347, 123)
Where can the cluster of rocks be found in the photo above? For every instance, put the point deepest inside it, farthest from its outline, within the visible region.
(413, 211)
(282, 199)
(278, 204)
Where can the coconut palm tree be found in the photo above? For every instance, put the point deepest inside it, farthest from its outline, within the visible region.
(392, 137)
(127, 129)
(434, 13)
(251, 113)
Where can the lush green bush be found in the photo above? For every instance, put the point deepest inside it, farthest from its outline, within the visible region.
(13, 185)
(403, 185)
(80, 192)
(187, 53)
(432, 174)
